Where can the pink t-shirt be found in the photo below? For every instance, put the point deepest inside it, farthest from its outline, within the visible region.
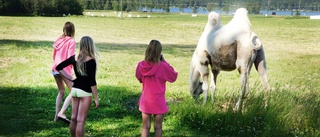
(64, 47)
(153, 78)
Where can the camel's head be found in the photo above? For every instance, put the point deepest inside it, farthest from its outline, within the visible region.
(198, 91)
(195, 83)
(214, 19)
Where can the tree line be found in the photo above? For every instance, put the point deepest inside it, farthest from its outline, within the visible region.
(76, 7)
(40, 7)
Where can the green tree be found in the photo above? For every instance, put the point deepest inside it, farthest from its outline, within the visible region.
(115, 5)
(14, 7)
(195, 9)
(35, 7)
(226, 9)
(75, 8)
(182, 5)
(151, 4)
(253, 7)
(166, 7)
(136, 5)
(130, 6)
(210, 6)
(107, 5)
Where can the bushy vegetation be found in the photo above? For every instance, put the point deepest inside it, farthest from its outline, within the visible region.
(76, 7)
(28, 90)
(40, 7)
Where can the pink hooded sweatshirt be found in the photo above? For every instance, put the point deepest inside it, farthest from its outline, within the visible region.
(64, 47)
(153, 78)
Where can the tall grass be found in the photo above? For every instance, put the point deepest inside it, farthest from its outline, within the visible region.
(28, 90)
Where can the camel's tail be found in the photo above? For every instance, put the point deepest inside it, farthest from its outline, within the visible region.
(257, 44)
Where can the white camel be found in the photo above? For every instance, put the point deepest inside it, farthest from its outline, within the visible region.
(226, 47)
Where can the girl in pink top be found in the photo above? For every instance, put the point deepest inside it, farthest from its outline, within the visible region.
(153, 72)
(63, 48)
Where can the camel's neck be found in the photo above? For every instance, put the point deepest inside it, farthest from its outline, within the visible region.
(210, 29)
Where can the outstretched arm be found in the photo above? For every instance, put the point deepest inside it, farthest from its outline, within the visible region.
(95, 95)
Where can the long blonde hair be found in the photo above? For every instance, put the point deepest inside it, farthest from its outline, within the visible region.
(153, 51)
(87, 48)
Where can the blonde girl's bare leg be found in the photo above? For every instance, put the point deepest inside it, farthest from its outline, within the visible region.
(74, 114)
(84, 106)
(158, 125)
(146, 120)
(67, 101)
(61, 90)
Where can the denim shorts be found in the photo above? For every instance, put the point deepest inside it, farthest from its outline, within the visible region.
(75, 92)
(55, 73)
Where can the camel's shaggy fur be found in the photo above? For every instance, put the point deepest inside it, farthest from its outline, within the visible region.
(226, 47)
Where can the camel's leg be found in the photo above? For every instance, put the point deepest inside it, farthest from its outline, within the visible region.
(204, 72)
(248, 70)
(261, 67)
(205, 61)
(213, 84)
(243, 82)
(244, 71)
(205, 88)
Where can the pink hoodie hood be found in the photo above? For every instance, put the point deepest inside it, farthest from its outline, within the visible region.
(58, 44)
(148, 69)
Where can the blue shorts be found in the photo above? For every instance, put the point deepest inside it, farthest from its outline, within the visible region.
(55, 73)
(75, 92)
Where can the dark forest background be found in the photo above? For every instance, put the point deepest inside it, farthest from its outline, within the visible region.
(76, 7)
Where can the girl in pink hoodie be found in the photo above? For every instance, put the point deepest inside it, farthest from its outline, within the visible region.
(64, 47)
(153, 72)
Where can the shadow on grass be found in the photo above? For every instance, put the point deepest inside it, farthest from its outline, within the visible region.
(29, 111)
(26, 44)
(175, 50)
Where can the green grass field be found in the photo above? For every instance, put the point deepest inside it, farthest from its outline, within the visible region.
(28, 90)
